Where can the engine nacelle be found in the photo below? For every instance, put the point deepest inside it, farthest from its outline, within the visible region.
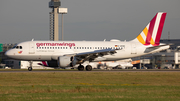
(66, 61)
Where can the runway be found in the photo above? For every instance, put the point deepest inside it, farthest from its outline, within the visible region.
(69, 71)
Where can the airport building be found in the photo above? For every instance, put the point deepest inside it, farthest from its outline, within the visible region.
(168, 59)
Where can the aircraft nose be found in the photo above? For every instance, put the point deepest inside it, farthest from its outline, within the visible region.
(8, 53)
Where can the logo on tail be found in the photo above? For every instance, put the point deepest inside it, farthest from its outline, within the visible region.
(152, 32)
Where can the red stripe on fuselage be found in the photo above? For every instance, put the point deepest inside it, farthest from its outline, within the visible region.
(151, 28)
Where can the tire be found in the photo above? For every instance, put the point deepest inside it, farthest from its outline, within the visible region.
(30, 68)
(80, 67)
(88, 68)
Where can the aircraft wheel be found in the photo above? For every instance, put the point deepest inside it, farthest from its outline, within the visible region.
(88, 68)
(30, 68)
(80, 67)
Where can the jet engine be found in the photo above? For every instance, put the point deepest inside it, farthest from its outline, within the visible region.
(67, 61)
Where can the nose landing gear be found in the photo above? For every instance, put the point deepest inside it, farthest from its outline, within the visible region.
(30, 68)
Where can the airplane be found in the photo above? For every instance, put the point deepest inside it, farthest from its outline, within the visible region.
(70, 53)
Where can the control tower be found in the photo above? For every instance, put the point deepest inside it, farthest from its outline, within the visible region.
(54, 30)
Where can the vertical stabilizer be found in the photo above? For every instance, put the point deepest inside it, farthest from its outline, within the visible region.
(152, 32)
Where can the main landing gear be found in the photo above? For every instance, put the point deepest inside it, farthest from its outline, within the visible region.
(81, 67)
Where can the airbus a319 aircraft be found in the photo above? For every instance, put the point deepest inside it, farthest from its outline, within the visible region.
(69, 53)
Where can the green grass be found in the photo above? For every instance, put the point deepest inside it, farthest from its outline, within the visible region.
(96, 86)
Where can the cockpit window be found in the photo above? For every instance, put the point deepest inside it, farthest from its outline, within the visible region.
(17, 47)
(14, 47)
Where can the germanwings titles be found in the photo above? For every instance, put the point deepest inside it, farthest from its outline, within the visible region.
(70, 53)
(55, 44)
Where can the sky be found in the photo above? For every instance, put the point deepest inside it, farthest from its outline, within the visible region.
(91, 20)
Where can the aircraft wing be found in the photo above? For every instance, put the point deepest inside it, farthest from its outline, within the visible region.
(90, 56)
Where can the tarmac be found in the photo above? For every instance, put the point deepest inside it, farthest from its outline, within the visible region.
(69, 71)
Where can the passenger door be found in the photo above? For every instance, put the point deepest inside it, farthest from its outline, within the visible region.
(31, 48)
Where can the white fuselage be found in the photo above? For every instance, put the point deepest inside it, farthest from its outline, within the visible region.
(51, 50)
